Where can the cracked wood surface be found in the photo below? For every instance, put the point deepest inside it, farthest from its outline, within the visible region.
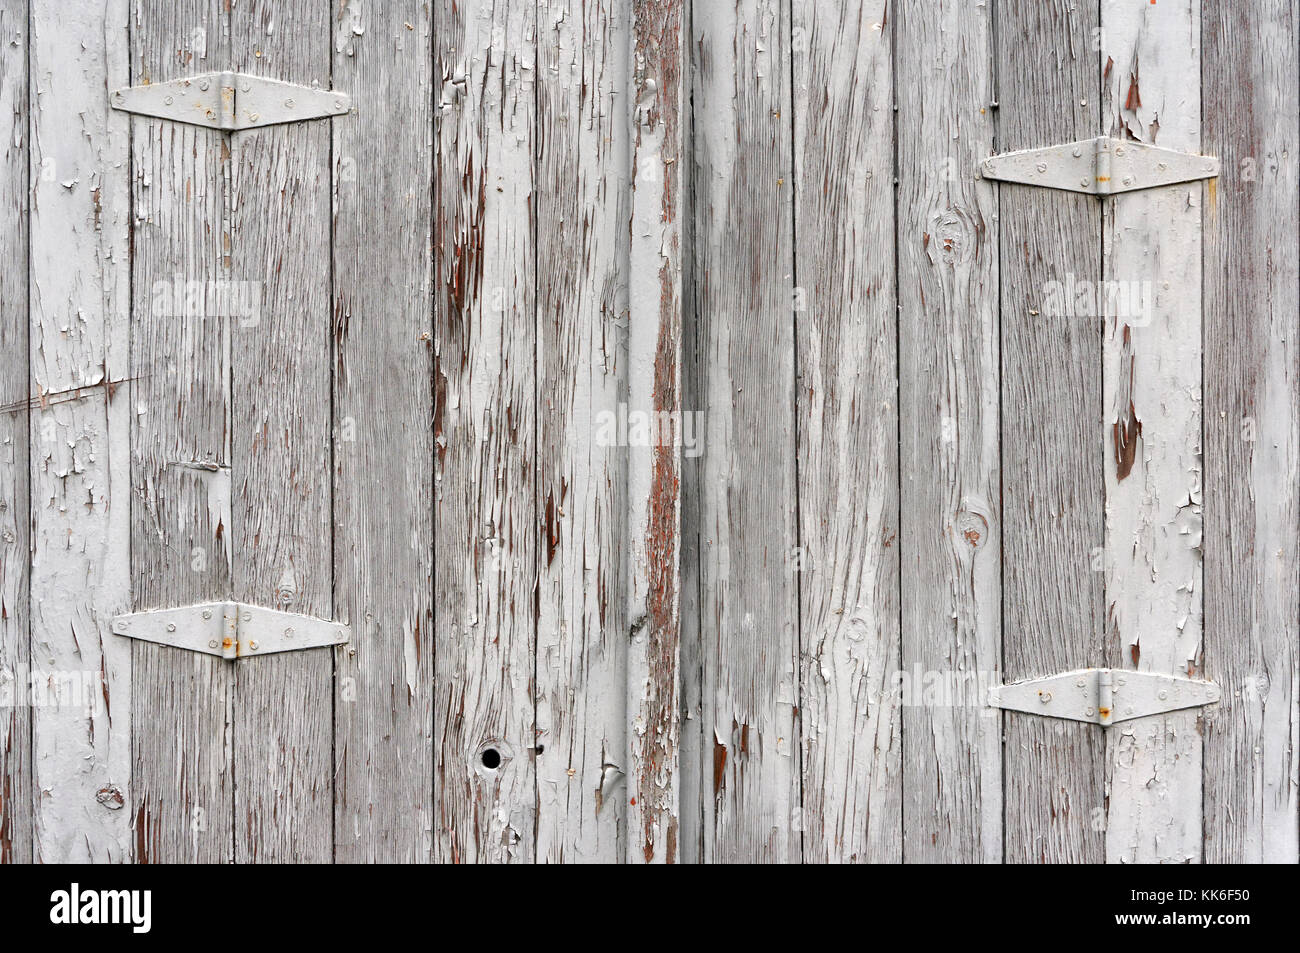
(1252, 431)
(15, 474)
(485, 525)
(181, 528)
(1151, 399)
(78, 285)
(747, 527)
(845, 312)
(950, 532)
(542, 215)
(383, 436)
(583, 173)
(1051, 464)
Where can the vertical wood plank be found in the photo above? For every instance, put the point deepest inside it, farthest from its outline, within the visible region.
(949, 433)
(1251, 110)
(280, 439)
(658, 77)
(79, 452)
(582, 244)
(744, 278)
(694, 760)
(1051, 414)
(1152, 401)
(15, 418)
(846, 317)
(181, 545)
(485, 521)
(383, 434)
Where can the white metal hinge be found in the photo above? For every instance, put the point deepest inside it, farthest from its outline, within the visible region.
(231, 630)
(1101, 166)
(1103, 696)
(230, 101)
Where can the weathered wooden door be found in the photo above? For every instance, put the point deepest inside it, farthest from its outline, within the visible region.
(686, 427)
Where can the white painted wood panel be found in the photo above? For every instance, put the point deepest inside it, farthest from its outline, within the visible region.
(1152, 401)
(78, 299)
(583, 164)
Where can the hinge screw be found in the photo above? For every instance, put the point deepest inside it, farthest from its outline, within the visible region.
(254, 117)
(1042, 167)
(167, 100)
(288, 103)
(1045, 697)
(171, 626)
(248, 616)
(212, 643)
(253, 646)
(207, 613)
(1163, 695)
(203, 84)
(1084, 182)
(288, 633)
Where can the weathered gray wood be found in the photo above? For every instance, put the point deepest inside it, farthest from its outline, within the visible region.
(694, 756)
(949, 432)
(280, 443)
(1251, 111)
(845, 310)
(658, 81)
(582, 247)
(743, 198)
(15, 418)
(79, 458)
(1152, 406)
(1050, 244)
(181, 531)
(485, 522)
(383, 434)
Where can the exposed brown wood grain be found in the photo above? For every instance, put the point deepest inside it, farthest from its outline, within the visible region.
(658, 78)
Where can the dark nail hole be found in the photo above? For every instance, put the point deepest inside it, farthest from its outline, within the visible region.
(491, 759)
(541, 748)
